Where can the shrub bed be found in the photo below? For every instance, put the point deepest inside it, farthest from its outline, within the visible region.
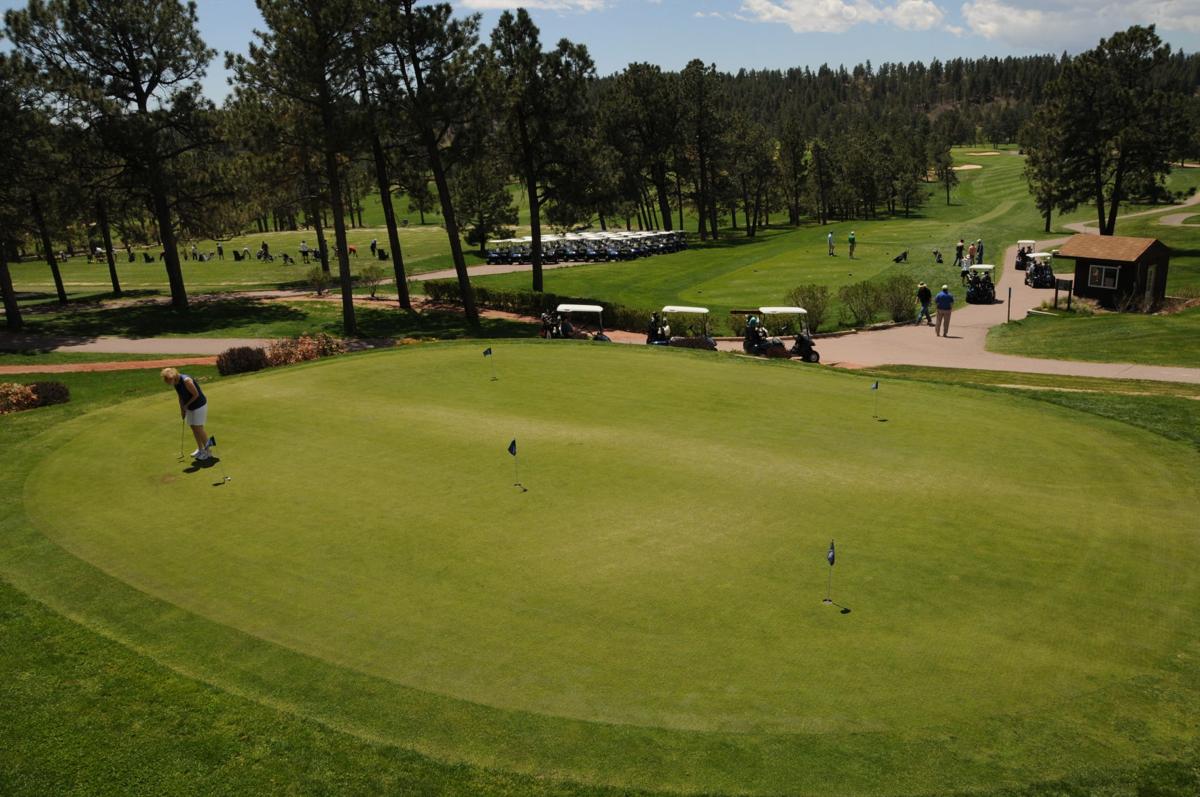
(15, 397)
(285, 351)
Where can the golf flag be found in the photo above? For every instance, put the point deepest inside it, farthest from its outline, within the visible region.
(512, 448)
(487, 352)
(830, 555)
(212, 442)
(875, 385)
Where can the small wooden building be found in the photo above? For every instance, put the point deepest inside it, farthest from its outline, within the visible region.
(1120, 273)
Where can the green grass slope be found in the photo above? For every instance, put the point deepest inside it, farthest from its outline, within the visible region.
(1164, 339)
(372, 567)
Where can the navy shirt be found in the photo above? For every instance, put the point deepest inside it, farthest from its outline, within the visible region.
(944, 300)
(185, 396)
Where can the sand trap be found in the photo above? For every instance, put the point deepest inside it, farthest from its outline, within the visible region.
(986, 152)
(966, 167)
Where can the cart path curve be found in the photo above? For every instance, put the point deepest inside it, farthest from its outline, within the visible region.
(965, 347)
(1194, 199)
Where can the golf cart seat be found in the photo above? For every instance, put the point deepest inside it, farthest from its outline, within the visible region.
(567, 329)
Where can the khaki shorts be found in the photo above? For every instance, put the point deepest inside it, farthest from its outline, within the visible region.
(196, 417)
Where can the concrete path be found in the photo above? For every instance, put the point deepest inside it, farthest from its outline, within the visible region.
(483, 271)
(1174, 219)
(118, 345)
(965, 346)
(1177, 220)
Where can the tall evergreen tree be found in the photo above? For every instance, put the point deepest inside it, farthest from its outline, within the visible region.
(131, 71)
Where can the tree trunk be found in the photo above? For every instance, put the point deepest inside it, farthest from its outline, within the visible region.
(40, 219)
(535, 227)
(603, 225)
(166, 231)
(679, 197)
(659, 176)
(349, 325)
(102, 217)
(12, 311)
(385, 192)
(1048, 219)
(443, 189)
(1115, 200)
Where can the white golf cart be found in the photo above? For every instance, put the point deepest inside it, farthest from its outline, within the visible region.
(765, 332)
(562, 327)
(693, 332)
(1024, 247)
(1040, 272)
(980, 288)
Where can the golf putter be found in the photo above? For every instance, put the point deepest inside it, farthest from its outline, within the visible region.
(182, 429)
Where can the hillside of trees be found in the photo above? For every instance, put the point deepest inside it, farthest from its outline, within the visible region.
(108, 140)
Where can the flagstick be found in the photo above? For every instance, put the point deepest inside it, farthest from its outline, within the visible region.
(876, 392)
(829, 588)
(493, 359)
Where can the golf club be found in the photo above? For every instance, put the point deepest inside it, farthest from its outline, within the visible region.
(182, 429)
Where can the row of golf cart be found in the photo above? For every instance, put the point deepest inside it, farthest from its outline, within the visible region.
(587, 247)
(1039, 273)
(764, 335)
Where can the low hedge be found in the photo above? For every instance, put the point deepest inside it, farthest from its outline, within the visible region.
(531, 303)
(15, 396)
(285, 351)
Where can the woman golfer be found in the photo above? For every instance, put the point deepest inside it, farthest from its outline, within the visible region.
(193, 408)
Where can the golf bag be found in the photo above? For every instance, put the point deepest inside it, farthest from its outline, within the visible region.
(759, 343)
(901, 258)
(980, 290)
(803, 348)
(658, 333)
(1039, 275)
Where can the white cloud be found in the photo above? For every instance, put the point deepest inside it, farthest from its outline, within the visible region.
(836, 16)
(1073, 24)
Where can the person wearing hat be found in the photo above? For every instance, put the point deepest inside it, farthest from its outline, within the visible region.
(852, 242)
(944, 302)
(924, 296)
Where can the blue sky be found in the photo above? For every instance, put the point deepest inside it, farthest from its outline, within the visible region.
(785, 33)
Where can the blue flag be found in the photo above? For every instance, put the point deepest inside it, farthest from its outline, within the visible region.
(512, 448)
(875, 386)
(487, 352)
(830, 555)
(212, 442)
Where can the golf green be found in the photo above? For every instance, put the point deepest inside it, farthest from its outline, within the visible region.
(1021, 579)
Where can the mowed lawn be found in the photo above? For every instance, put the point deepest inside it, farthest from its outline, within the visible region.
(991, 203)
(648, 615)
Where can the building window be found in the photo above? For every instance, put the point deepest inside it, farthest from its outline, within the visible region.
(1103, 277)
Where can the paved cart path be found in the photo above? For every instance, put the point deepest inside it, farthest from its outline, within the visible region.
(965, 347)
(1174, 219)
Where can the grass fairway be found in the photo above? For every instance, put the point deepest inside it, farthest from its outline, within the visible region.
(648, 614)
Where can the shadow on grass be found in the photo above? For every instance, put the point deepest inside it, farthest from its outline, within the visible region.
(149, 320)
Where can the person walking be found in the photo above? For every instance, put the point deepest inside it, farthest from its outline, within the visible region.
(924, 296)
(195, 255)
(220, 251)
(964, 269)
(958, 253)
(304, 251)
(374, 246)
(193, 408)
(945, 303)
(971, 255)
(852, 242)
(979, 250)
(829, 240)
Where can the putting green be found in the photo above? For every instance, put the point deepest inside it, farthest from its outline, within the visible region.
(649, 613)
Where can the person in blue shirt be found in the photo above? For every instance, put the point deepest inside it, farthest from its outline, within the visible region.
(193, 408)
(945, 303)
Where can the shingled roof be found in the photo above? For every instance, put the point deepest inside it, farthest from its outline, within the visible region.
(1116, 248)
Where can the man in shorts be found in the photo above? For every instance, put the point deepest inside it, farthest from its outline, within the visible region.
(193, 408)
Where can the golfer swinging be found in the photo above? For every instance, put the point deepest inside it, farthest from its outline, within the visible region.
(193, 408)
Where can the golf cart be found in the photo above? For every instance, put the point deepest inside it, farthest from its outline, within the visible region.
(563, 328)
(758, 339)
(1040, 274)
(1024, 247)
(695, 331)
(980, 289)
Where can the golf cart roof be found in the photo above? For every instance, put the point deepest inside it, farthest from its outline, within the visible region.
(579, 308)
(1041, 254)
(783, 311)
(985, 268)
(1026, 242)
(680, 308)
